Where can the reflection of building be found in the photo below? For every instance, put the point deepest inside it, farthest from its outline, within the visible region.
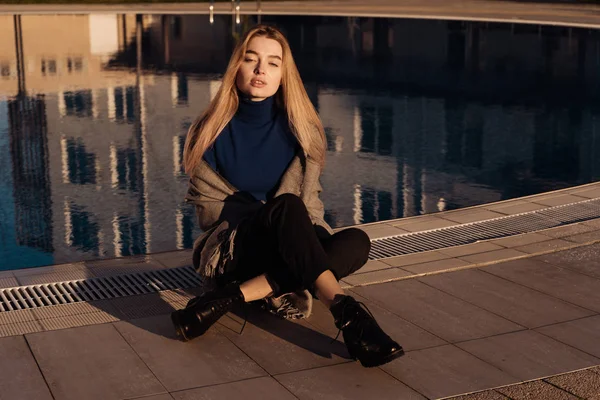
(188, 41)
(64, 51)
(101, 179)
(413, 125)
(29, 151)
(25, 204)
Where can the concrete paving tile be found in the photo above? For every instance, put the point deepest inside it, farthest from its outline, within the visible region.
(7, 274)
(514, 302)
(561, 283)
(126, 265)
(410, 336)
(445, 371)
(208, 360)
(346, 381)
(474, 248)
(535, 390)
(373, 265)
(414, 219)
(520, 240)
(381, 231)
(487, 395)
(280, 345)
(519, 208)
(528, 354)
(583, 334)
(164, 396)
(436, 223)
(20, 377)
(554, 244)
(416, 258)
(345, 285)
(467, 216)
(173, 259)
(443, 315)
(52, 324)
(567, 230)
(265, 388)
(434, 266)
(147, 305)
(11, 317)
(93, 362)
(590, 193)
(20, 328)
(585, 237)
(8, 282)
(72, 275)
(495, 255)
(585, 384)
(176, 298)
(594, 223)
(67, 310)
(50, 269)
(585, 259)
(376, 276)
(559, 200)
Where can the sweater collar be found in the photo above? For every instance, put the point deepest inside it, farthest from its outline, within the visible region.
(256, 112)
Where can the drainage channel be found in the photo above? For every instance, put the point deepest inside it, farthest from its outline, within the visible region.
(139, 283)
(434, 239)
(91, 289)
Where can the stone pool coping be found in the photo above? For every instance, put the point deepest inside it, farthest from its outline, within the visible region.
(579, 14)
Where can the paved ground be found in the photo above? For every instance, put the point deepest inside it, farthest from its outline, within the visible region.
(464, 331)
(503, 318)
(576, 13)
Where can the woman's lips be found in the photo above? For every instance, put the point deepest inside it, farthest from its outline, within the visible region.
(258, 83)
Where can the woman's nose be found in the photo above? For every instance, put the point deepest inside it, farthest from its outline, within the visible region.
(259, 68)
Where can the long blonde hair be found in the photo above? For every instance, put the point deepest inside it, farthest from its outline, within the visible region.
(304, 122)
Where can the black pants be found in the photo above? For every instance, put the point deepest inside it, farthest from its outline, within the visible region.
(281, 242)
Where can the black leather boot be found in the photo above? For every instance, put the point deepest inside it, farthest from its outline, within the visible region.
(365, 340)
(203, 311)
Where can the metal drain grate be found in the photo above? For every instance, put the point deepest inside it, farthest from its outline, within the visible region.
(33, 296)
(484, 230)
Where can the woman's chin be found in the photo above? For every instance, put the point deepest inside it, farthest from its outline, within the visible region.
(257, 94)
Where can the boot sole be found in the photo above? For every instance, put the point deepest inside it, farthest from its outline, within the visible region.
(377, 361)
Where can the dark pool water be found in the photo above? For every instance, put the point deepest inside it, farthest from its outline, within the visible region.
(421, 117)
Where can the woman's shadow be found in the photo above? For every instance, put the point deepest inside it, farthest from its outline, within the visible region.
(246, 324)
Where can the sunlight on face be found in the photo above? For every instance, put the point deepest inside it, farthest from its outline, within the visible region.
(259, 75)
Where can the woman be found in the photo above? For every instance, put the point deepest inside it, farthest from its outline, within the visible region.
(254, 158)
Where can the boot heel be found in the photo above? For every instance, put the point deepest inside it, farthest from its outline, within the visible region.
(176, 320)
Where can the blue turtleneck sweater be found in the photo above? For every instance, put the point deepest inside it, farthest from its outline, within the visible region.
(255, 148)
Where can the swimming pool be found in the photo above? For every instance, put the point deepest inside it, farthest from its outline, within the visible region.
(420, 116)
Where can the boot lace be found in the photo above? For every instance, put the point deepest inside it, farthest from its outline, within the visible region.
(220, 308)
(359, 319)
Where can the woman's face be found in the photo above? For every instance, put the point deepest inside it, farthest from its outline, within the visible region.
(259, 75)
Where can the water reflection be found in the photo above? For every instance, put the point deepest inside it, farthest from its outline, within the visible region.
(420, 117)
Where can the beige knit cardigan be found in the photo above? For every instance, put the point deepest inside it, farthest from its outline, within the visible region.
(220, 208)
